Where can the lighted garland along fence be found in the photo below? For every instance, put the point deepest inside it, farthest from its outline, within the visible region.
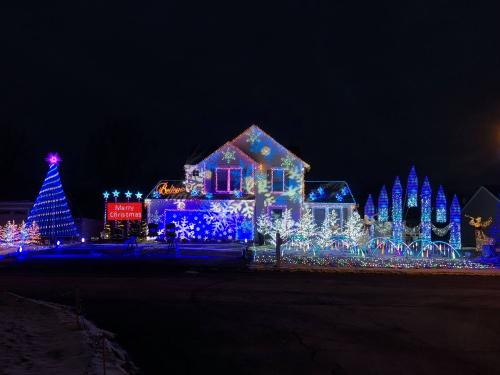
(376, 247)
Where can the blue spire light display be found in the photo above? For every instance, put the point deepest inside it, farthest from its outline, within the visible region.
(51, 211)
(425, 219)
(412, 188)
(383, 205)
(369, 208)
(440, 206)
(455, 221)
(397, 211)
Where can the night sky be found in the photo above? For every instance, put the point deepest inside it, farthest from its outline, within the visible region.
(127, 92)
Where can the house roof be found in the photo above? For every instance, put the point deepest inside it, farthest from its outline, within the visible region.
(229, 144)
(328, 192)
(493, 190)
(232, 143)
(255, 127)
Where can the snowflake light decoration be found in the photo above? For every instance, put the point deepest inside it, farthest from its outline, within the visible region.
(195, 192)
(253, 136)
(228, 155)
(209, 195)
(156, 195)
(238, 193)
(339, 197)
(287, 161)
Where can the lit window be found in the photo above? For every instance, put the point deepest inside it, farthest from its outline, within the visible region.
(278, 180)
(228, 180)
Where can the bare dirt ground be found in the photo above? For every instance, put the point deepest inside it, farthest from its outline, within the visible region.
(239, 322)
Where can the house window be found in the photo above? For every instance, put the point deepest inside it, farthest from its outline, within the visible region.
(278, 180)
(319, 215)
(227, 180)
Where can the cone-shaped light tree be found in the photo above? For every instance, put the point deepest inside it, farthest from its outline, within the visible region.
(397, 211)
(383, 205)
(412, 188)
(369, 208)
(440, 206)
(425, 219)
(455, 221)
(50, 211)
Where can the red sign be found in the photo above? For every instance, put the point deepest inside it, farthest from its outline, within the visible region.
(124, 211)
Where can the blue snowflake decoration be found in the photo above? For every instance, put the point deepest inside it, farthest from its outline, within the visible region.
(321, 191)
(195, 192)
(344, 191)
(312, 196)
(339, 197)
(156, 195)
(209, 195)
(238, 193)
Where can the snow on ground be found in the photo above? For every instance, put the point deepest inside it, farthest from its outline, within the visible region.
(38, 337)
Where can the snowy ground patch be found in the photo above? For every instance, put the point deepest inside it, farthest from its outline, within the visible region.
(38, 337)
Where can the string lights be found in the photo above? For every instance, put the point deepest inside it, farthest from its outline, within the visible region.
(50, 211)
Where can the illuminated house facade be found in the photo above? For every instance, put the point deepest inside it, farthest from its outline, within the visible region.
(221, 195)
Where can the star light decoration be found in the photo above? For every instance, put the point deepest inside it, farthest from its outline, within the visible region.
(128, 194)
(115, 193)
(53, 158)
(228, 155)
(105, 195)
(138, 195)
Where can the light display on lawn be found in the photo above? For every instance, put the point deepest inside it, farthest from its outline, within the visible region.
(415, 240)
(51, 211)
(12, 234)
(397, 211)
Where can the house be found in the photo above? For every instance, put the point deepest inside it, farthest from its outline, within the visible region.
(485, 203)
(14, 211)
(222, 195)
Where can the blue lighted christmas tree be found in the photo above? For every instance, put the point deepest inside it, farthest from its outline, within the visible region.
(383, 206)
(455, 221)
(397, 211)
(51, 211)
(440, 206)
(412, 188)
(425, 219)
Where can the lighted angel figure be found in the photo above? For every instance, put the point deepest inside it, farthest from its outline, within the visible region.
(479, 226)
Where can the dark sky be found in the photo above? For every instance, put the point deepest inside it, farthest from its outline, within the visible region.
(128, 91)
